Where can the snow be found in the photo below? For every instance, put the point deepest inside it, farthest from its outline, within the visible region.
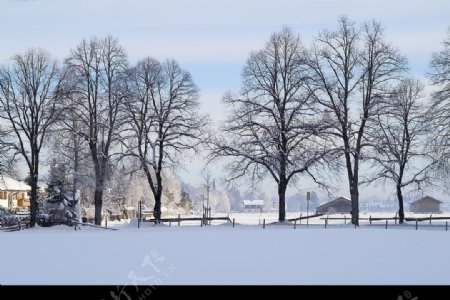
(253, 202)
(9, 184)
(221, 254)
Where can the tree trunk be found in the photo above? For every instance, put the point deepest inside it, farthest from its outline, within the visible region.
(401, 210)
(282, 201)
(157, 207)
(354, 195)
(156, 191)
(34, 175)
(98, 200)
(100, 177)
(159, 187)
(33, 201)
(75, 166)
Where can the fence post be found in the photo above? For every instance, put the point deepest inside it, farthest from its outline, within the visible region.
(106, 221)
(395, 218)
(430, 219)
(370, 219)
(139, 213)
(446, 225)
(386, 223)
(179, 219)
(201, 222)
(233, 222)
(416, 224)
(301, 218)
(345, 219)
(307, 222)
(295, 223)
(326, 222)
(20, 225)
(264, 223)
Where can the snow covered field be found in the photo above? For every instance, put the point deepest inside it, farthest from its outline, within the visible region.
(224, 255)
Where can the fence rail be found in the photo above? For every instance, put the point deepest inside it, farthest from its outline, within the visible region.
(427, 218)
(188, 219)
(306, 217)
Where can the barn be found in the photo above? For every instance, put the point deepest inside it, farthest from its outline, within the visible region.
(253, 205)
(339, 205)
(426, 205)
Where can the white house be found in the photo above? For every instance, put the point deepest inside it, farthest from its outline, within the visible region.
(253, 205)
(14, 194)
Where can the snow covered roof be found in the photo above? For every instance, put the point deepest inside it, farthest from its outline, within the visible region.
(10, 184)
(425, 199)
(335, 201)
(254, 202)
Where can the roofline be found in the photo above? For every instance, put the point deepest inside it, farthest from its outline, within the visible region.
(421, 199)
(330, 202)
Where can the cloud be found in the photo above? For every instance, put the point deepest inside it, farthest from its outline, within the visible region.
(200, 30)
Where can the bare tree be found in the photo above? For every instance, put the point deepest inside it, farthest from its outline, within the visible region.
(164, 120)
(3, 152)
(66, 145)
(353, 69)
(400, 138)
(98, 65)
(68, 148)
(440, 77)
(8, 156)
(273, 128)
(29, 91)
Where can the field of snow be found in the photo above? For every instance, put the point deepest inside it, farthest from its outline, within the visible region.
(246, 254)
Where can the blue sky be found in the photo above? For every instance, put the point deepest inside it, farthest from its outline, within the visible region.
(212, 38)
